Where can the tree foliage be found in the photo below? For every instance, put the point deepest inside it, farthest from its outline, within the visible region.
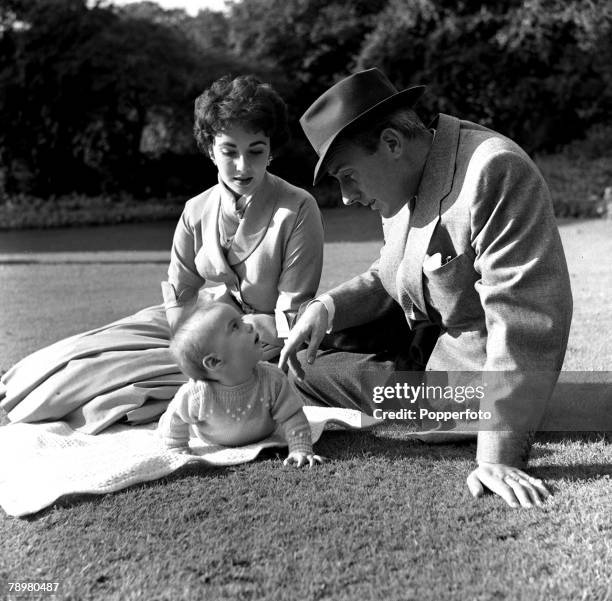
(98, 99)
(80, 86)
(311, 42)
(537, 70)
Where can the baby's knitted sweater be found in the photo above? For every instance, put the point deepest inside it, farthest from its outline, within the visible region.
(237, 415)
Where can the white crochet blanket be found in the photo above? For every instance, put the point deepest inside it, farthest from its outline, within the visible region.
(42, 462)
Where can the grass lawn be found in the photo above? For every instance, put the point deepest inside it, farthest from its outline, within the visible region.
(386, 518)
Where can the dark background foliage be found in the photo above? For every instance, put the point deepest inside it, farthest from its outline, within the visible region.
(97, 99)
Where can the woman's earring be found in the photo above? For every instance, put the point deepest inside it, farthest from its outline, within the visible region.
(269, 160)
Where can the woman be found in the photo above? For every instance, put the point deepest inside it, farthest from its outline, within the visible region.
(257, 237)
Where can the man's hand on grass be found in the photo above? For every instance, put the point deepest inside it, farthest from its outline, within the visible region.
(514, 486)
(299, 459)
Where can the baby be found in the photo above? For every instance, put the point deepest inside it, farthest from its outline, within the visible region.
(232, 398)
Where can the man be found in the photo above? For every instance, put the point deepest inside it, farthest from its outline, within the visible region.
(471, 247)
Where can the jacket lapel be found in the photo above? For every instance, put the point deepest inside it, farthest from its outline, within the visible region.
(210, 261)
(256, 221)
(436, 184)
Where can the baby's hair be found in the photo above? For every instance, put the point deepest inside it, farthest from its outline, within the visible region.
(188, 346)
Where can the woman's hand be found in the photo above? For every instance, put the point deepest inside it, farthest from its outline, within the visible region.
(511, 484)
(265, 326)
(299, 458)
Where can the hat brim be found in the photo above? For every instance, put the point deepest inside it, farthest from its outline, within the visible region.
(407, 98)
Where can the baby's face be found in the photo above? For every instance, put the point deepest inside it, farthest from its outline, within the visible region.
(234, 341)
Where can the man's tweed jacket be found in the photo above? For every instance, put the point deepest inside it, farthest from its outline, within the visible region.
(477, 252)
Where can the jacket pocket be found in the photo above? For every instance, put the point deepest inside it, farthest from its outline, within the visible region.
(449, 290)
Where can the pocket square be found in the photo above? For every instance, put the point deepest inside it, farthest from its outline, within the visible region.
(432, 262)
(435, 261)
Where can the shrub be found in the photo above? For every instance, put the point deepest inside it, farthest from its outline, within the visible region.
(23, 211)
(579, 173)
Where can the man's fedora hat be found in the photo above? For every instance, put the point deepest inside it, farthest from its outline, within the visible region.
(348, 101)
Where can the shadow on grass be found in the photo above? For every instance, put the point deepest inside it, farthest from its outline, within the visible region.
(574, 472)
(194, 469)
(380, 443)
(348, 445)
(579, 472)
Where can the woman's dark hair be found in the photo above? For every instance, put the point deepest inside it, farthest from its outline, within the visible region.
(244, 101)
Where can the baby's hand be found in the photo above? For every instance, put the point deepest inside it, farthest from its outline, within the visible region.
(300, 458)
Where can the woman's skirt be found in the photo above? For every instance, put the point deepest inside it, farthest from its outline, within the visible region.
(123, 371)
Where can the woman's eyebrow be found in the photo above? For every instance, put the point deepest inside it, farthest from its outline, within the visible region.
(258, 142)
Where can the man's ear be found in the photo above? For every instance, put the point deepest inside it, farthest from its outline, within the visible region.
(211, 362)
(392, 141)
